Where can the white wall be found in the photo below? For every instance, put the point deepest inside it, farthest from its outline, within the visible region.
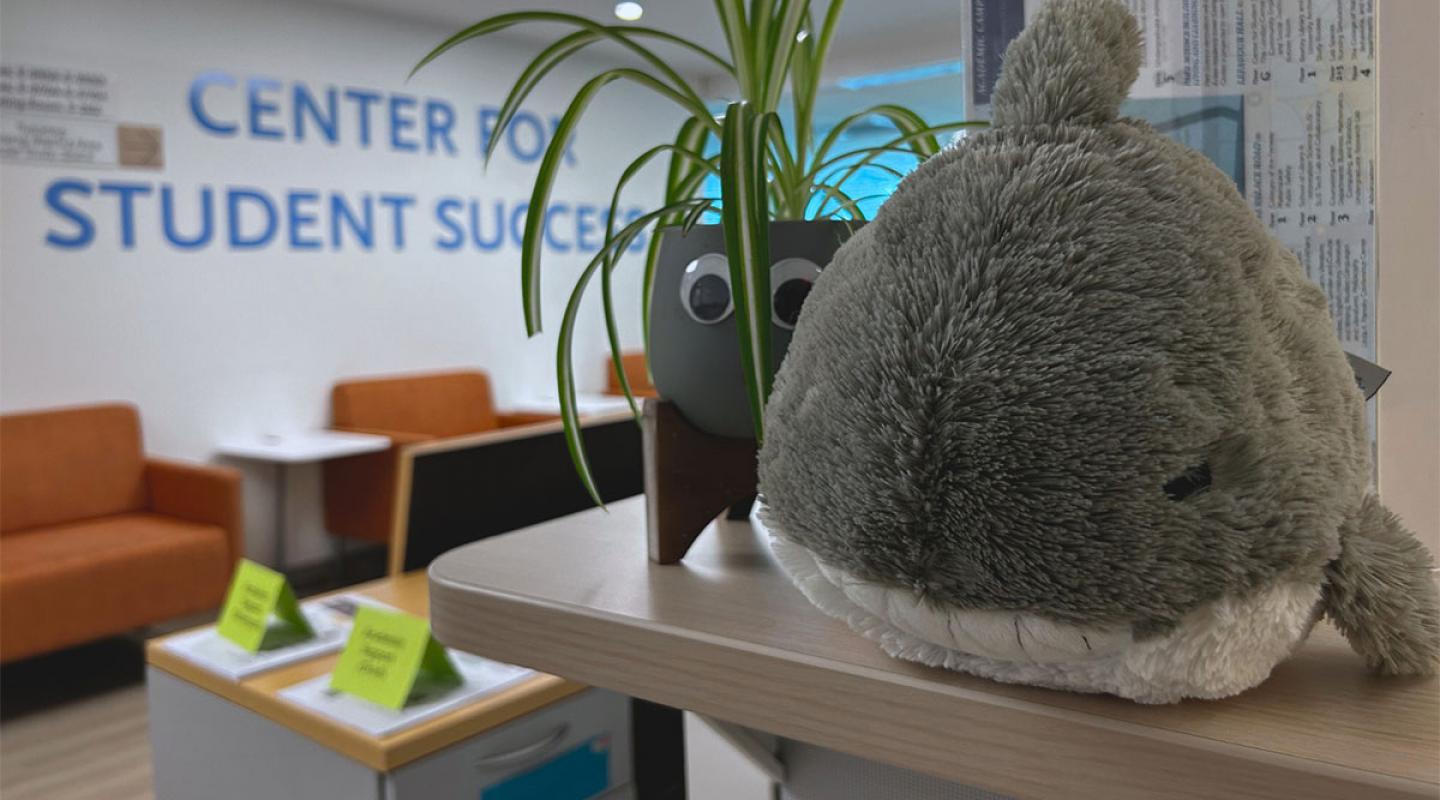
(1407, 155)
(716, 770)
(217, 342)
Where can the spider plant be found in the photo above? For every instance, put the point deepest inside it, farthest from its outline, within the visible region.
(775, 50)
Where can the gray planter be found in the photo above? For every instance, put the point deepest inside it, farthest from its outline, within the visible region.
(694, 347)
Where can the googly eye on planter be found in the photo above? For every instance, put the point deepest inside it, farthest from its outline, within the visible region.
(693, 344)
(790, 282)
(705, 289)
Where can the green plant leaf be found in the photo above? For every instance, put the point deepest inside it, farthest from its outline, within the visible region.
(895, 145)
(763, 173)
(853, 207)
(780, 48)
(762, 20)
(802, 85)
(739, 42)
(691, 137)
(693, 216)
(747, 246)
(786, 194)
(564, 357)
(875, 165)
(612, 328)
(826, 193)
(806, 81)
(621, 35)
(678, 41)
(533, 241)
(827, 32)
(905, 121)
(530, 77)
(553, 55)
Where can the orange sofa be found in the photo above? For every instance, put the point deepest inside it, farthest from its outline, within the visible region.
(96, 539)
(360, 490)
(637, 373)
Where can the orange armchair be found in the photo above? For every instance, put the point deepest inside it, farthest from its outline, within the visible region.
(95, 539)
(360, 490)
(637, 373)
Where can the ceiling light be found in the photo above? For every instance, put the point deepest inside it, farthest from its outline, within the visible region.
(629, 11)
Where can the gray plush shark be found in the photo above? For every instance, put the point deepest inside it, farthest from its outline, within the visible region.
(1065, 414)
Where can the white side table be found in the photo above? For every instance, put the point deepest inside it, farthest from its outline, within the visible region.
(585, 404)
(301, 447)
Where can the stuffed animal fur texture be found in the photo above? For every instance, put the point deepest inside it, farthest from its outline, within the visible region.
(1065, 414)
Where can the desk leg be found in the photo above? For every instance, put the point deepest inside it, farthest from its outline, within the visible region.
(282, 487)
(658, 735)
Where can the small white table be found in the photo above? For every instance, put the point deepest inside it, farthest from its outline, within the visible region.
(300, 447)
(585, 404)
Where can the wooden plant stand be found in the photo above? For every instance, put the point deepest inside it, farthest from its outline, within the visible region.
(691, 477)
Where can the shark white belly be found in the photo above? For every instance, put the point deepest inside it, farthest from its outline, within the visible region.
(1218, 650)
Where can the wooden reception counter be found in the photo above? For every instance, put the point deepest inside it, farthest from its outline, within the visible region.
(725, 634)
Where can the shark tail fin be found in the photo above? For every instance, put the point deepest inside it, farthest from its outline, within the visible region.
(1381, 593)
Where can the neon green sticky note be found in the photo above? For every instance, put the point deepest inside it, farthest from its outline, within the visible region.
(260, 611)
(391, 659)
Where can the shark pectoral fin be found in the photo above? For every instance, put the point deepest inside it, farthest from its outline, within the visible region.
(1381, 593)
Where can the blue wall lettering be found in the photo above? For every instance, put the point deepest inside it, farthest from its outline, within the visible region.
(167, 219)
(274, 110)
(398, 204)
(362, 228)
(402, 119)
(493, 243)
(84, 229)
(526, 136)
(585, 228)
(517, 222)
(488, 117)
(363, 99)
(258, 199)
(197, 101)
(261, 108)
(439, 119)
(454, 235)
(326, 119)
(126, 194)
(300, 219)
(312, 219)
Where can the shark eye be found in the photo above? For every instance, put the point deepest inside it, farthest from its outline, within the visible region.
(1192, 481)
(790, 282)
(705, 289)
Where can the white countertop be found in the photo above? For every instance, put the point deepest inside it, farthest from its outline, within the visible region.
(726, 633)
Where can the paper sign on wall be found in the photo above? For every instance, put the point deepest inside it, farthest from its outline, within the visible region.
(391, 659)
(260, 611)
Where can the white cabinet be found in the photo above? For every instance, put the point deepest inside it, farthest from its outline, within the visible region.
(205, 746)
